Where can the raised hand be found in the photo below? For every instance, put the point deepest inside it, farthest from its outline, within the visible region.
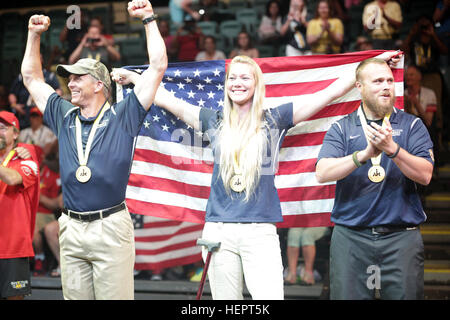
(38, 23)
(140, 9)
(124, 76)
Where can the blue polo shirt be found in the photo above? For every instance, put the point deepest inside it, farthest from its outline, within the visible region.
(264, 205)
(111, 152)
(394, 201)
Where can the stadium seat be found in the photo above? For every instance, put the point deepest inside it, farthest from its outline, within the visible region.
(265, 51)
(230, 30)
(249, 19)
(208, 27)
(133, 51)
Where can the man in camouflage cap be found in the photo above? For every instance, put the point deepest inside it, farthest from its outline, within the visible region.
(95, 146)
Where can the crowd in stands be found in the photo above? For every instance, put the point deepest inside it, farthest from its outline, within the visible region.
(195, 30)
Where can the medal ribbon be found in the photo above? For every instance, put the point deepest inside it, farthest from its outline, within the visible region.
(376, 160)
(8, 158)
(83, 156)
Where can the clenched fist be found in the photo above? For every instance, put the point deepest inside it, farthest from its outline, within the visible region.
(140, 9)
(38, 23)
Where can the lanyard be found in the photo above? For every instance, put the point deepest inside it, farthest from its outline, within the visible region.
(84, 156)
(8, 158)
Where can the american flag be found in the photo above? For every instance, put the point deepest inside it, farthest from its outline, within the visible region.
(172, 166)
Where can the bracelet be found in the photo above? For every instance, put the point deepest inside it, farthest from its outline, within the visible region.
(150, 19)
(355, 160)
(392, 156)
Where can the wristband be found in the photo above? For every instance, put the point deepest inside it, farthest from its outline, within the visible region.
(150, 19)
(392, 156)
(355, 160)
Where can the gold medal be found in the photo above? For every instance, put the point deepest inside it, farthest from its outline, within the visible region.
(376, 173)
(83, 174)
(237, 183)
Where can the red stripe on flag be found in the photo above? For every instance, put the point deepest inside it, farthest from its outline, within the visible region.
(295, 89)
(178, 246)
(154, 183)
(183, 230)
(175, 162)
(293, 167)
(164, 264)
(307, 193)
(306, 220)
(302, 140)
(165, 211)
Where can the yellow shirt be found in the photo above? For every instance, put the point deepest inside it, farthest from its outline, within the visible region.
(381, 29)
(315, 28)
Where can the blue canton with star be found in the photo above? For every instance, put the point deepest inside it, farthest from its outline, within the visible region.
(198, 83)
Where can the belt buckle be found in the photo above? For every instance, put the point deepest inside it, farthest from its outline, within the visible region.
(374, 231)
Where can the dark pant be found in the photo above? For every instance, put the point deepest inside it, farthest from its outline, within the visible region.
(363, 264)
(14, 277)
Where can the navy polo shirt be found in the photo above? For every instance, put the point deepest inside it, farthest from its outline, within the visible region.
(394, 201)
(111, 152)
(264, 205)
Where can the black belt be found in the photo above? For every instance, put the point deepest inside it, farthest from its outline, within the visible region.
(93, 215)
(383, 229)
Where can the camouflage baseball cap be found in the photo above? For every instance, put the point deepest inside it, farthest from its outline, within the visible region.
(86, 66)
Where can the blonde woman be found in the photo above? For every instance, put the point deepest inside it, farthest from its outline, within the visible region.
(243, 205)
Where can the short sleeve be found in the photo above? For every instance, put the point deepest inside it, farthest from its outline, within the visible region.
(28, 170)
(131, 114)
(55, 111)
(283, 116)
(419, 141)
(333, 144)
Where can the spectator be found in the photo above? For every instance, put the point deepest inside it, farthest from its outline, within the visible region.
(294, 29)
(244, 47)
(38, 134)
(363, 44)
(325, 33)
(97, 22)
(421, 102)
(94, 45)
(306, 239)
(4, 104)
(382, 19)
(71, 38)
(441, 17)
(181, 9)
(187, 41)
(210, 52)
(423, 48)
(50, 188)
(51, 230)
(20, 100)
(269, 31)
(164, 29)
(19, 198)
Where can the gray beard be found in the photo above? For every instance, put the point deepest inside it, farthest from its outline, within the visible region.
(2, 144)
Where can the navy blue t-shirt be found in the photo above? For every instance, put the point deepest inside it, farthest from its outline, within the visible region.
(111, 151)
(394, 201)
(264, 204)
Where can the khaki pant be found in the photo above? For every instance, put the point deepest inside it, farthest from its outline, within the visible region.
(97, 258)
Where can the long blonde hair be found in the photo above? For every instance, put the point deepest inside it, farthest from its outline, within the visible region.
(243, 139)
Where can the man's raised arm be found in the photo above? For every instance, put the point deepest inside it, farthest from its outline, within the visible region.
(33, 78)
(146, 86)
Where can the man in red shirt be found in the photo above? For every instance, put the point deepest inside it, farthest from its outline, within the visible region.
(19, 198)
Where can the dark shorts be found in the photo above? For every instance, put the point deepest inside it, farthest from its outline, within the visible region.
(14, 277)
(367, 266)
